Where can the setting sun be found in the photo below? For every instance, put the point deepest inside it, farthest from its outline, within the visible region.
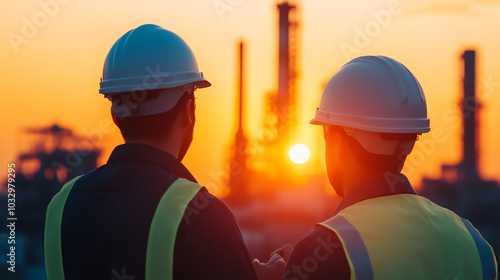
(299, 153)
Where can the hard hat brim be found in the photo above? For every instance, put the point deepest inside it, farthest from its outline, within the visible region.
(380, 125)
(314, 121)
(203, 84)
(137, 84)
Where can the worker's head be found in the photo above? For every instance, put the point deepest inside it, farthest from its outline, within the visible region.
(372, 110)
(176, 123)
(348, 161)
(150, 75)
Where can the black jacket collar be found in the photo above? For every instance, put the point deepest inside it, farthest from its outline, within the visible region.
(149, 154)
(384, 185)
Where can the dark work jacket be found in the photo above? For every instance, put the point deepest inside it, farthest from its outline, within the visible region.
(320, 254)
(108, 214)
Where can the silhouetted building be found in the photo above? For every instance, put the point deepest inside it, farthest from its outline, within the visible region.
(461, 188)
(55, 155)
(238, 171)
(280, 116)
(286, 70)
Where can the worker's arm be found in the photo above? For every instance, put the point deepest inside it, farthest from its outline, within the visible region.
(318, 256)
(212, 246)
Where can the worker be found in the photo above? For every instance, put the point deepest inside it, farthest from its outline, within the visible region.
(372, 112)
(142, 215)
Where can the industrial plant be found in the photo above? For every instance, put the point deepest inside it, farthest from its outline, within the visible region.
(50, 157)
(286, 217)
(272, 205)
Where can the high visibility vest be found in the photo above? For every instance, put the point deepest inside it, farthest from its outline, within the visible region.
(162, 232)
(407, 236)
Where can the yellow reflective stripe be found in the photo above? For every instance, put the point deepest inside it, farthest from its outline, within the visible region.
(163, 230)
(52, 233)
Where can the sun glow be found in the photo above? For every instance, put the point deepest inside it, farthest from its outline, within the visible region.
(299, 153)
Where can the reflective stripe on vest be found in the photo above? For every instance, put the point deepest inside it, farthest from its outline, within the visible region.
(488, 261)
(406, 236)
(357, 255)
(52, 234)
(162, 234)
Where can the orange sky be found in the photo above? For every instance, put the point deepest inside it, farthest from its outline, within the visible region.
(50, 73)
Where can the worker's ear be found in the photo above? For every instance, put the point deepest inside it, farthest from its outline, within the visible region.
(333, 142)
(334, 166)
(114, 117)
(337, 145)
(187, 112)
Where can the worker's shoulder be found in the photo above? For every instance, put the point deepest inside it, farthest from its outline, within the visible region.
(206, 212)
(204, 203)
(321, 249)
(320, 236)
(126, 178)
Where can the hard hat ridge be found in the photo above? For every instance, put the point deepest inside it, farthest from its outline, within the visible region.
(406, 79)
(374, 93)
(370, 95)
(146, 58)
(150, 51)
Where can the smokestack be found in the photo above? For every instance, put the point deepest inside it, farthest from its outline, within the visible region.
(238, 180)
(240, 99)
(284, 99)
(469, 113)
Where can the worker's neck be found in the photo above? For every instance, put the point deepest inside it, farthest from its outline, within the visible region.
(171, 145)
(352, 182)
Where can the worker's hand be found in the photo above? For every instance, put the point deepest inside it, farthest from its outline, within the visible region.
(274, 268)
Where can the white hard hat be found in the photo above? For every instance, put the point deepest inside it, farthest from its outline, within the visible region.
(150, 58)
(371, 95)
